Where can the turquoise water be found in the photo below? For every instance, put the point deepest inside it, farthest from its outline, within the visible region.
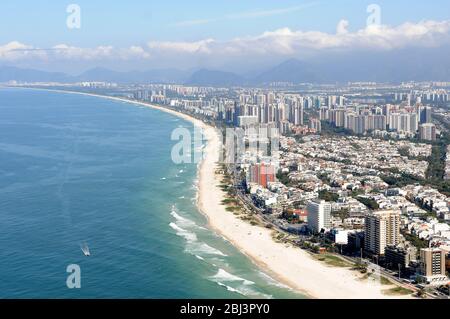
(78, 169)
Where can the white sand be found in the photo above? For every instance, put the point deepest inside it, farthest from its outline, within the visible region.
(291, 266)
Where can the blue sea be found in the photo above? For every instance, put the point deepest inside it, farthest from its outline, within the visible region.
(78, 170)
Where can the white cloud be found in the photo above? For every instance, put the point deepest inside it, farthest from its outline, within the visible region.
(203, 46)
(75, 53)
(288, 42)
(281, 42)
(245, 15)
(134, 52)
(268, 13)
(14, 51)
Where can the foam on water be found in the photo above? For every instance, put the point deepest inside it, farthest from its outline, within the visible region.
(223, 275)
(204, 248)
(243, 287)
(183, 221)
(189, 236)
(230, 288)
(193, 246)
(273, 282)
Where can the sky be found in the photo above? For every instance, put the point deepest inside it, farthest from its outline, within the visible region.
(232, 34)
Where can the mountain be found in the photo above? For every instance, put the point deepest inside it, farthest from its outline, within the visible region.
(9, 73)
(410, 64)
(206, 77)
(151, 76)
(292, 70)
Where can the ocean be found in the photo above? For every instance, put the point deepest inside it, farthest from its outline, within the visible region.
(79, 170)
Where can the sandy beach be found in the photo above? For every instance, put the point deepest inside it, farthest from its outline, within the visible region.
(291, 266)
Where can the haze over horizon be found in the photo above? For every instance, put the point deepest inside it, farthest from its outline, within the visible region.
(247, 38)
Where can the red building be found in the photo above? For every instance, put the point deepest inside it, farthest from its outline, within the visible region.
(262, 174)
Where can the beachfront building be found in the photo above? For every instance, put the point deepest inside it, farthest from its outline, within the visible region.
(382, 228)
(399, 258)
(319, 215)
(261, 174)
(432, 266)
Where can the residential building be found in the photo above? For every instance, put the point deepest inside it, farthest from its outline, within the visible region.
(319, 215)
(432, 266)
(427, 132)
(262, 174)
(382, 228)
(399, 257)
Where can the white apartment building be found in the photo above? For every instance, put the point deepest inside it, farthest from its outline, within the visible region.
(319, 215)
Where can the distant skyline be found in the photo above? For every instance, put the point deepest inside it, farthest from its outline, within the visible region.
(240, 36)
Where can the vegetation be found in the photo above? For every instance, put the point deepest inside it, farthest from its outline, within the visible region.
(283, 178)
(342, 214)
(334, 260)
(361, 267)
(415, 241)
(328, 196)
(229, 201)
(403, 151)
(324, 178)
(403, 180)
(398, 291)
(330, 129)
(368, 202)
(385, 281)
(436, 166)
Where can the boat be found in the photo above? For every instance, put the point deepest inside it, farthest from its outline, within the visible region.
(85, 250)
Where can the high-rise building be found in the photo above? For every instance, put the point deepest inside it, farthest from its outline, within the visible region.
(298, 115)
(382, 228)
(427, 132)
(323, 113)
(337, 117)
(376, 122)
(360, 124)
(400, 257)
(319, 215)
(432, 266)
(315, 124)
(425, 114)
(262, 174)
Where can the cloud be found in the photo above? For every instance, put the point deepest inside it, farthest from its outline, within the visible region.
(278, 43)
(269, 13)
(135, 52)
(285, 41)
(14, 51)
(75, 53)
(203, 46)
(246, 15)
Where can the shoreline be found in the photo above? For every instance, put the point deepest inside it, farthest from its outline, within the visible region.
(291, 266)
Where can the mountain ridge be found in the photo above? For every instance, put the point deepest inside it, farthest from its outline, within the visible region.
(337, 69)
